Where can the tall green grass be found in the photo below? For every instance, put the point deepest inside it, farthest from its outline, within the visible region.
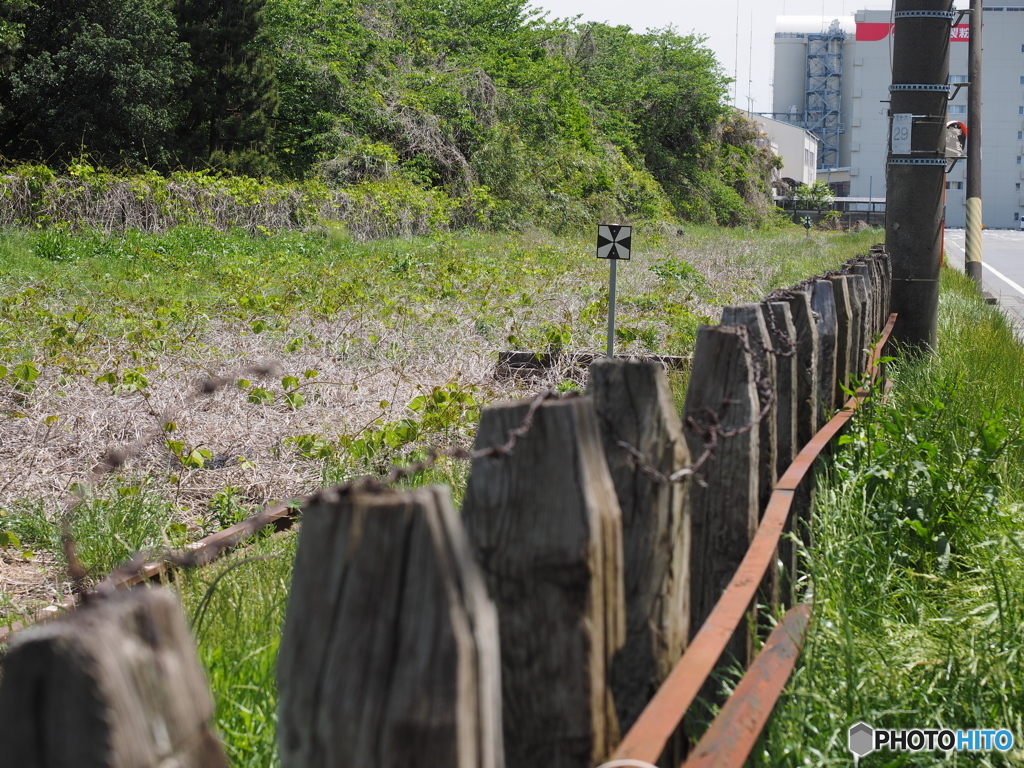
(917, 569)
(109, 525)
(236, 610)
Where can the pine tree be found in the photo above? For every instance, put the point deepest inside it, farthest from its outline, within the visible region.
(233, 93)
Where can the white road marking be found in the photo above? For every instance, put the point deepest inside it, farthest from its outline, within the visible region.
(1005, 279)
(950, 241)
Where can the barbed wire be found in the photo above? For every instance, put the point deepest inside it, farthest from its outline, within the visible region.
(705, 422)
(210, 549)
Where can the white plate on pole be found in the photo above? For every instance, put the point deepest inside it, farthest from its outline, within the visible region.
(613, 241)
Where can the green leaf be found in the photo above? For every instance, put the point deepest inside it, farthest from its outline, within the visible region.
(260, 396)
(26, 371)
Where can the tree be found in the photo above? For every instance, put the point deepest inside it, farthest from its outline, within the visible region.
(96, 76)
(813, 196)
(233, 96)
(658, 95)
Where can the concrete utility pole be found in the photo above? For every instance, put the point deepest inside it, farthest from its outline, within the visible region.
(916, 179)
(972, 234)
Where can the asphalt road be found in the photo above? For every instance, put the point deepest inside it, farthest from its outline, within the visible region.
(1002, 255)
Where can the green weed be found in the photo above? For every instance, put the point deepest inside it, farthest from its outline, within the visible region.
(917, 563)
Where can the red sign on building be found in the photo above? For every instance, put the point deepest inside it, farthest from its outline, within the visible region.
(873, 31)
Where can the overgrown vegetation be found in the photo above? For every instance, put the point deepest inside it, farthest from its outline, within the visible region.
(917, 563)
(334, 358)
(486, 107)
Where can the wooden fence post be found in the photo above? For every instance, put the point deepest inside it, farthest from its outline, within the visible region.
(114, 684)
(872, 313)
(823, 302)
(877, 287)
(634, 405)
(724, 506)
(807, 366)
(782, 334)
(845, 337)
(806, 425)
(389, 655)
(546, 527)
(886, 264)
(858, 304)
(750, 317)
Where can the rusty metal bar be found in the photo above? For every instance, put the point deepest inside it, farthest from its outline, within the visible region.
(207, 549)
(729, 740)
(647, 738)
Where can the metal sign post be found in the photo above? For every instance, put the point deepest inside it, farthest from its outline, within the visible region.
(613, 243)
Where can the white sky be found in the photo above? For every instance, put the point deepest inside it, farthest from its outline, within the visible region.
(721, 21)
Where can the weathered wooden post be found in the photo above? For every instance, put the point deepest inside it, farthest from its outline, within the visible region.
(722, 405)
(782, 335)
(389, 655)
(845, 336)
(546, 527)
(806, 420)
(750, 317)
(876, 284)
(115, 684)
(872, 313)
(807, 365)
(823, 303)
(883, 257)
(858, 304)
(634, 405)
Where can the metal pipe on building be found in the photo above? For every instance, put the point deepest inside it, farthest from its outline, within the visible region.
(972, 232)
(916, 177)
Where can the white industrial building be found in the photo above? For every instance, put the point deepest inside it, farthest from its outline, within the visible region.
(833, 80)
(797, 147)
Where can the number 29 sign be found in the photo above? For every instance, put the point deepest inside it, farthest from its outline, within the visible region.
(902, 129)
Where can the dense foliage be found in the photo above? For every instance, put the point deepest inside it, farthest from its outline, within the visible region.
(525, 120)
(917, 563)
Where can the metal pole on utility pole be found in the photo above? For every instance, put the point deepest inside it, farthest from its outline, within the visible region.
(972, 233)
(916, 165)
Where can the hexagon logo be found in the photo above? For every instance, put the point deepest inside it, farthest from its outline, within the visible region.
(860, 739)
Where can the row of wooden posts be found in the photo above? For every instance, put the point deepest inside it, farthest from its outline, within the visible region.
(532, 628)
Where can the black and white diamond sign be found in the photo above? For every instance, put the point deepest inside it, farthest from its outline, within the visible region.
(613, 241)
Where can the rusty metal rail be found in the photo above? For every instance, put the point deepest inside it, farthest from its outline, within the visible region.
(281, 516)
(727, 742)
(646, 740)
(207, 549)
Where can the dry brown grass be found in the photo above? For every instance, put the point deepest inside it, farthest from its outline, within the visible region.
(102, 439)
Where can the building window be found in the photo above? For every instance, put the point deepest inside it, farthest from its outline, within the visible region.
(1020, 135)
(1018, 159)
(954, 185)
(963, 79)
(1018, 186)
(961, 109)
